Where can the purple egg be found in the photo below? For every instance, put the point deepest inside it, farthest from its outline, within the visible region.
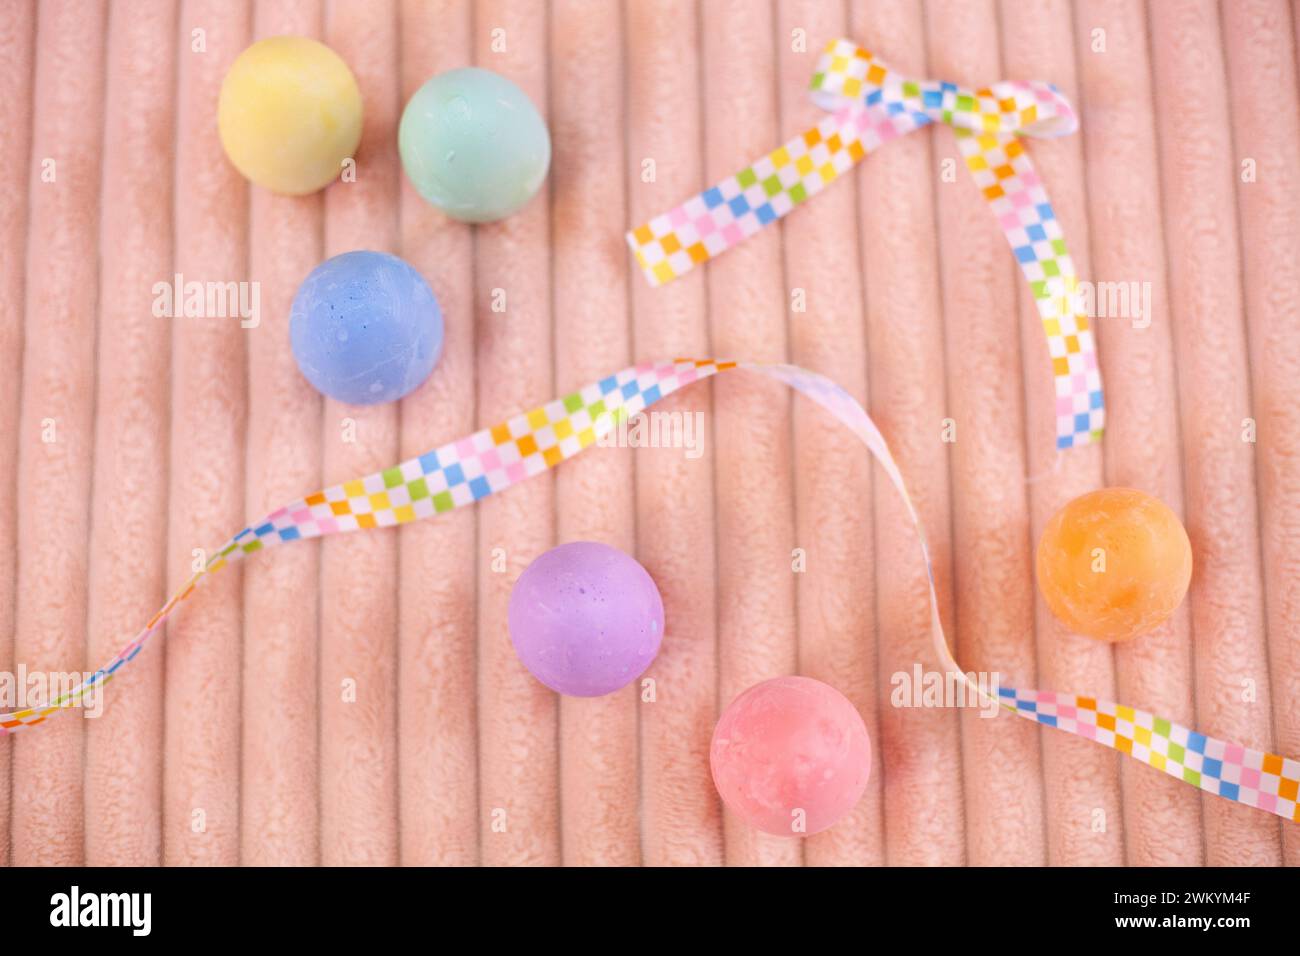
(586, 619)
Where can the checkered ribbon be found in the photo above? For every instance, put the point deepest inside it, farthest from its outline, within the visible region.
(868, 105)
(461, 472)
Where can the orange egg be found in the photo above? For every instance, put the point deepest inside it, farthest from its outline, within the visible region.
(1113, 564)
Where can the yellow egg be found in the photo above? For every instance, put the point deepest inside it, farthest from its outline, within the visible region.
(289, 114)
(1114, 564)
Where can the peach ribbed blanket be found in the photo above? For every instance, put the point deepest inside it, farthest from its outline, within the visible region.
(232, 741)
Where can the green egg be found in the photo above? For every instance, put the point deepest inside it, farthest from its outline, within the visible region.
(474, 145)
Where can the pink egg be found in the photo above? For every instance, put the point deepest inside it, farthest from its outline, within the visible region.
(791, 756)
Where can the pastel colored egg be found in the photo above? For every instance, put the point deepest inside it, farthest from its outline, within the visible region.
(473, 144)
(289, 114)
(1114, 564)
(586, 619)
(365, 328)
(790, 756)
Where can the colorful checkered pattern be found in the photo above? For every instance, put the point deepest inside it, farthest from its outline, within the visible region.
(1014, 192)
(458, 473)
(461, 472)
(1262, 780)
(869, 104)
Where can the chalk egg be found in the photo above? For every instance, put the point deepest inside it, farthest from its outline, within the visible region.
(790, 756)
(586, 619)
(289, 114)
(365, 328)
(473, 144)
(1114, 564)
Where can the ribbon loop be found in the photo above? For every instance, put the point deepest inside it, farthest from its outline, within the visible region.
(847, 75)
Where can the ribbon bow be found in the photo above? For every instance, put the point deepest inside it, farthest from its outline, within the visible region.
(869, 104)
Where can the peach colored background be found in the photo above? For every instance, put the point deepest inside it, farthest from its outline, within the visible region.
(172, 433)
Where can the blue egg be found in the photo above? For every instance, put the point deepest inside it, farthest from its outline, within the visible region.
(365, 328)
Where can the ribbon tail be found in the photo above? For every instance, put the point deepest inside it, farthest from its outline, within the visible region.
(1256, 778)
(1009, 183)
(735, 208)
